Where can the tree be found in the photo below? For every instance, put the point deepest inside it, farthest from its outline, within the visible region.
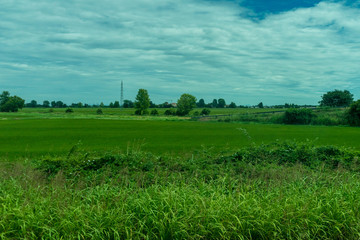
(353, 114)
(128, 104)
(260, 105)
(116, 104)
(185, 104)
(46, 104)
(142, 102)
(221, 103)
(214, 103)
(33, 104)
(4, 97)
(232, 105)
(201, 103)
(337, 98)
(13, 104)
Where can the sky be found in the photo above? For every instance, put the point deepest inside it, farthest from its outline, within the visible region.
(245, 51)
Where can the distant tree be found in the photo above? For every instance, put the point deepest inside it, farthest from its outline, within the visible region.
(232, 105)
(128, 104)
(46, 104)
(142, 102)
(102, 105)
(116, 104)
(60, 104)
(337, 98)
(201, 103)
(53, 104)
(214, 103)
(221, 103)
(111, 105)
(260, 105)
(185, 104)
(79, 105)
(153, 105)
(4, 97)
(10, 103)
(32, 104)
(353, 114)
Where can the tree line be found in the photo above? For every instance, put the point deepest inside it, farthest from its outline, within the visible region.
(8, 103)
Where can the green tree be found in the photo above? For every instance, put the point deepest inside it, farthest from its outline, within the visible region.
(260, 105)
(185, 104)
(337, 98)
(46, 104)
(142, 102)
(221, 103)
(232, 105)
(128, 104)
(201, 103)
(353, 114)
(214, 103)
(4, 97)
(13, 104)
(116, 104)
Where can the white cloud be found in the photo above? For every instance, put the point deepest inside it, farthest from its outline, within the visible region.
(172, 47)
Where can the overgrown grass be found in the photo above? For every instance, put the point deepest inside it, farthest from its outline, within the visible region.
(282, 190)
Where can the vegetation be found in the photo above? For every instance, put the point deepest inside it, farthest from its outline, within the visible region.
(10, 103)
(185, 104)
(298, 116)
(142, 102)
(337, 98)
(353, 114)
(282, 190)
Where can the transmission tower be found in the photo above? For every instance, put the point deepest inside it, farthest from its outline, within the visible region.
(122, 94)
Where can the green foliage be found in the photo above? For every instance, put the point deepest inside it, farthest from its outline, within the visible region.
(282, 190)
(205, 111)
(298, 116)
(99, 111)
(353, 114)
(10, 103)
(154, 112)
(185, 104)
(260, 105)
(337, 98)
(232, 105)
(142, 102)
(201, 103)
(170, 112)
(69, 110)
(221, 103)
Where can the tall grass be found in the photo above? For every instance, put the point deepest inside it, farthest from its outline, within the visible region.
(259, 192)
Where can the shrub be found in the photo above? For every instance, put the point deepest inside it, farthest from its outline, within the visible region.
(99, 111)
(69, 110)
(154, 112)
(298, 116)
(170, 112)
(353, 115)
(205, 111)
(51, 110)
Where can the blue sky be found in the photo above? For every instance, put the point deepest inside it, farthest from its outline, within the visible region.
(245, 51)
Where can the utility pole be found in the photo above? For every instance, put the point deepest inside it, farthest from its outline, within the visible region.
(122, 95)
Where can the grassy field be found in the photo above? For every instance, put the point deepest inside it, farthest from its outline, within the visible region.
(118, 176)
(56, 136)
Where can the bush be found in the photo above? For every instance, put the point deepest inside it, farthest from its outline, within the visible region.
(154, 112)
(353, 115)
(298, 116)
(69, 110)
(99, 111)
(205, 111)
(170, 112)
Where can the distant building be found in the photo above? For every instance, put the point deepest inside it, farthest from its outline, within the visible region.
(173, 104)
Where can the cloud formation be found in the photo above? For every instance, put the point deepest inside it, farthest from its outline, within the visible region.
(81, 51)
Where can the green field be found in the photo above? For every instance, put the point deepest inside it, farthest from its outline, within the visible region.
(157, 177)
(34, 137)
